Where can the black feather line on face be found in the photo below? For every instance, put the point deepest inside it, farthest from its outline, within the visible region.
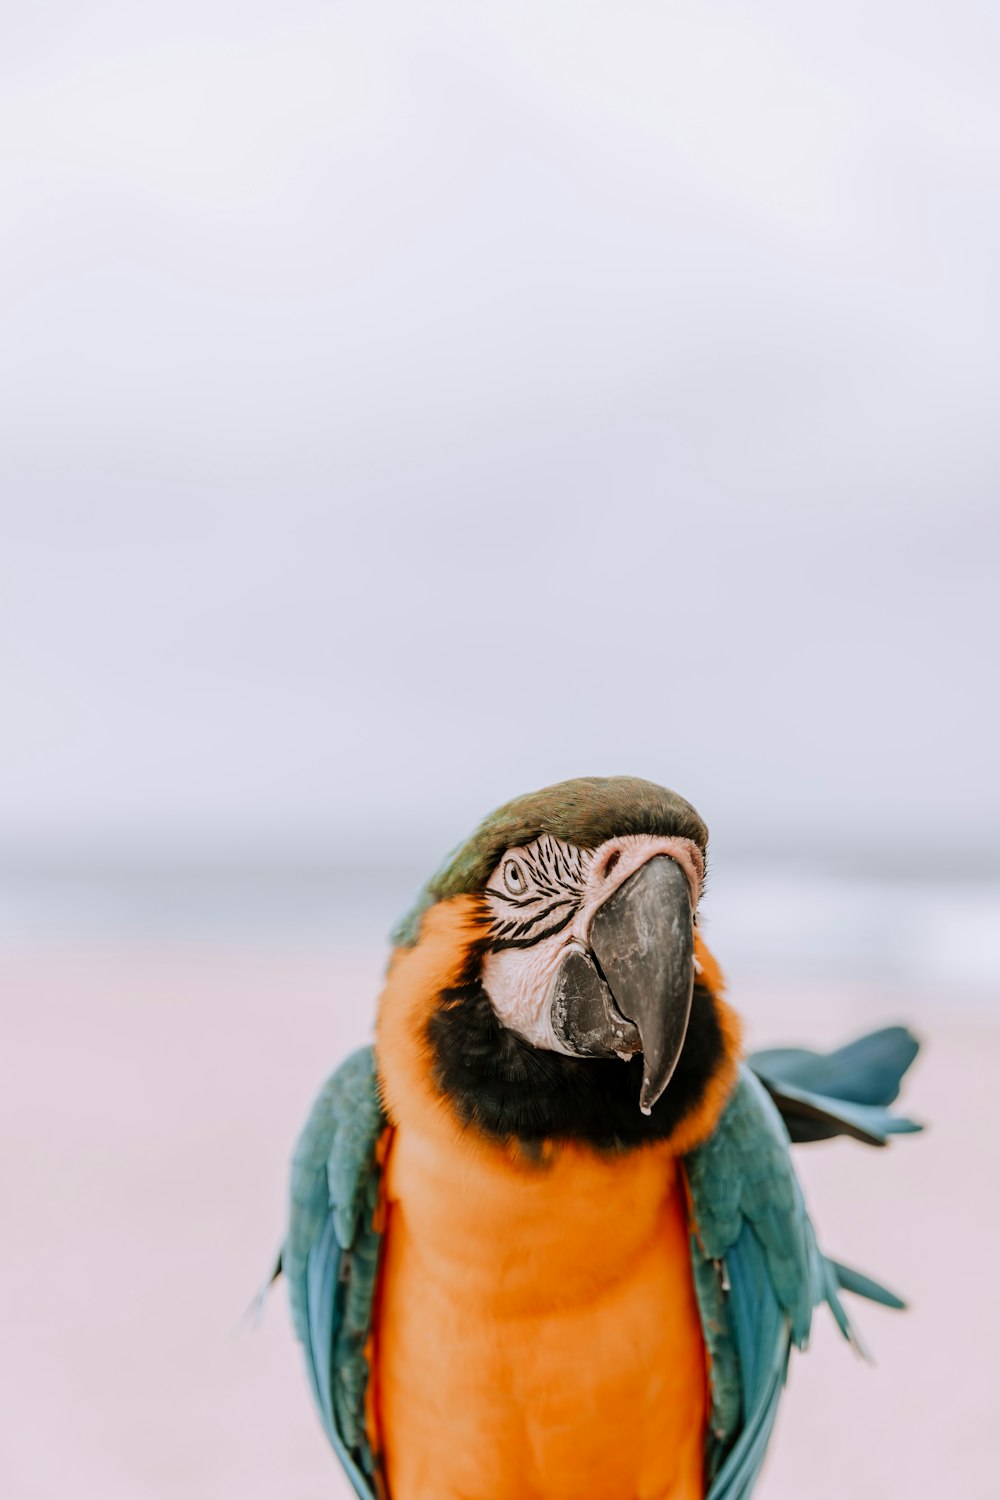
(513, 1091)
(535, 937)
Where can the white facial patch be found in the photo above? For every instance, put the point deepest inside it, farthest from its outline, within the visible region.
(542, 898)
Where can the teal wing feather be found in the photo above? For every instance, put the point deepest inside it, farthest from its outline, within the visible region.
(846, 1092)
(330, 1256)
(868, 1070)
(861, 1285)
(753, 1235)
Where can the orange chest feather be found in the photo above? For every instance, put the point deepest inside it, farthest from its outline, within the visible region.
(537, 1331)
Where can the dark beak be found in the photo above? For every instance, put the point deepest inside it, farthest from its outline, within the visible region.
(643, 941)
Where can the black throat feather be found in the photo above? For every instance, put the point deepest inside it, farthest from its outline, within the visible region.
(509, 1089)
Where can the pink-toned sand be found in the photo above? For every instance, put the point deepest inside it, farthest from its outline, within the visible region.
(149, 1101)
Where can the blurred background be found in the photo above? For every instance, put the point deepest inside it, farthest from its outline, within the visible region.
(405, 406)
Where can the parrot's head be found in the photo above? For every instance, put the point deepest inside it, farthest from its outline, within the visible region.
(551, 984)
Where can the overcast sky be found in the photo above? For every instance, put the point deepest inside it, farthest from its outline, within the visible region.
(403, 406)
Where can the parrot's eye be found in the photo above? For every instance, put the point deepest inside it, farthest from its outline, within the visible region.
(513, 877)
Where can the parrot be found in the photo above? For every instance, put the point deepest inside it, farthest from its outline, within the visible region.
(546, 1240)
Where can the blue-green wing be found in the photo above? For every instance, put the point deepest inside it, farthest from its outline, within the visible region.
(846, 1092)
(758, 1275)
(330, 1256)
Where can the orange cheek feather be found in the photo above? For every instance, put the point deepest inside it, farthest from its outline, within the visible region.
(536, 1330)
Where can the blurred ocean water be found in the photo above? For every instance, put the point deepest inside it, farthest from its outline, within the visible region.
(938, 940)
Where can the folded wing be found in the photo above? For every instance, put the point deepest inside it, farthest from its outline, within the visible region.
(330, 1256)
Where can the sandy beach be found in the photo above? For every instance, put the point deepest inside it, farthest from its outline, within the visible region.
(150, 1098)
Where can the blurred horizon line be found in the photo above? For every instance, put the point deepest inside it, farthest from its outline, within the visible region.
(770, 920)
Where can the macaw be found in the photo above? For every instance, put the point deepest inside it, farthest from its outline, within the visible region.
(546, 1238)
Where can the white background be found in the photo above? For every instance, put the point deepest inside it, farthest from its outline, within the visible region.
(407, 405)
